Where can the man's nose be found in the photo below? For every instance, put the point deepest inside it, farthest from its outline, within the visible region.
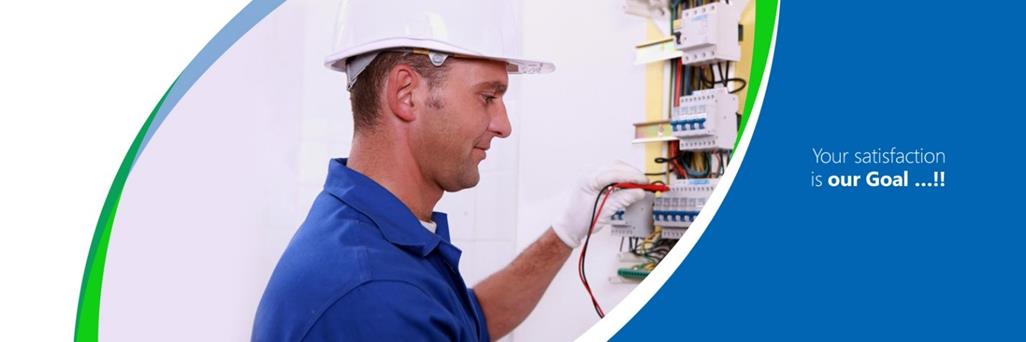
(500, 123)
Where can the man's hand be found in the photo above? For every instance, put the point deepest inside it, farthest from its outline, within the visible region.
(509, 295)
(572, 226)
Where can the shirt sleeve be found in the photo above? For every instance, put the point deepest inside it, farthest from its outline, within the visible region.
(482, 322)
(385, 311)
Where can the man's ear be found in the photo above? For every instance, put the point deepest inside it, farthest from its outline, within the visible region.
(402, 82)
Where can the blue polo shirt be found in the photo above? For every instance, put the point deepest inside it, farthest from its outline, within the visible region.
(362, 268)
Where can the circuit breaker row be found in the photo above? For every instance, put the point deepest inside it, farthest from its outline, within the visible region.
(706, 120)
(673, 210)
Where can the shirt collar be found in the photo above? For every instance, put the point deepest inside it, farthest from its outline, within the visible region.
(397, 223)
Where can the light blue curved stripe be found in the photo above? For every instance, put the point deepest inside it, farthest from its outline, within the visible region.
(235, 29)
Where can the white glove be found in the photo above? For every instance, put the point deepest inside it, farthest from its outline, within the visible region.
(572, 226)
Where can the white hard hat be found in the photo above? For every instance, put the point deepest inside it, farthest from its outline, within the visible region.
(438, 28)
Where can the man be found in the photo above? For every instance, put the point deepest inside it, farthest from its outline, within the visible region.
(372, 261)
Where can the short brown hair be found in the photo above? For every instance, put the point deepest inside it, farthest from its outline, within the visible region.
(365, 92)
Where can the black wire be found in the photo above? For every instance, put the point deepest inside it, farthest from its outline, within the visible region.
(672, 166)
(724, 73)
(635, 248)
(587, 239)
(684, 159)
(701, 78)
(722, 163)
(744, 84)
(685, 83)
(660, 248)
(712, 76)
(687, 80)
(711, 82)
(658, 252)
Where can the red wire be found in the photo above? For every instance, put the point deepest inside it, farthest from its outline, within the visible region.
(646, 187)
(678, 77)
(674, 150)
(677, 82)
(584, 251)
(591, 229)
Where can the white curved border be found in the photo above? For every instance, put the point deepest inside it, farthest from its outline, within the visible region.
(623, 312)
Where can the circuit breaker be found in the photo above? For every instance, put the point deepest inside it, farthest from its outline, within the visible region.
(708, 34)
(635, 220)
(678, 208)
(706, 120)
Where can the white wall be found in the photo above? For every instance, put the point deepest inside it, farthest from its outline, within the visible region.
(210, 203)
(230, 175)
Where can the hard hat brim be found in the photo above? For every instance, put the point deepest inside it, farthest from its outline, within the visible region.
(337, 60)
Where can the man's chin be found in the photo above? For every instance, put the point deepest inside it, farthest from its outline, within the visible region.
(466, 181)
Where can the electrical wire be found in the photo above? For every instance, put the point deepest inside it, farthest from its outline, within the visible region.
(673, 89)
(687, 80)
(744, 84)
(724, 72)
(674, 166)
(652, 248)
(686, 161)
(679, 81)
(595, 211)
(707, 82)
(674, 153)
(722, 163)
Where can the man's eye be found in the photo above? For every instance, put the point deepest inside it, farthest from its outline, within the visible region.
(488, 99)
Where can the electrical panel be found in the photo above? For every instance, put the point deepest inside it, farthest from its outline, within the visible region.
(706, 120)
(635, 220)
(679, 207)
(708, 34)
(695, 134)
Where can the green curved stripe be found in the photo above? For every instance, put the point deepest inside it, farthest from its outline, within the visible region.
(87, 322)
(765, 23)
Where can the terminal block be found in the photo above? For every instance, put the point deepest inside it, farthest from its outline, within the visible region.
(708, 34)
(678, 208)
(673, 233)
(706, 120)
(635, 220)
(632, 273)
